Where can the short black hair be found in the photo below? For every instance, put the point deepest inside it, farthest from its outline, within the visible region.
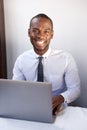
(41, 15)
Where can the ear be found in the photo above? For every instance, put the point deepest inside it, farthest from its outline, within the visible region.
(29, 32)
(52, 34)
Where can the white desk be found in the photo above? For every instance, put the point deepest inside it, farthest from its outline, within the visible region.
(71, 118)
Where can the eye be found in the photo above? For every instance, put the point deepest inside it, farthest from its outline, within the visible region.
(35, 31)
(47, 32)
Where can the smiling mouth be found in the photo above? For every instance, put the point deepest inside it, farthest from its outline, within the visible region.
(40, 42)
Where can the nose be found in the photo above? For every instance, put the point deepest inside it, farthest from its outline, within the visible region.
(40, 35)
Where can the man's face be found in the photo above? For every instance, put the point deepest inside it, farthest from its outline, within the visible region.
(40, 34)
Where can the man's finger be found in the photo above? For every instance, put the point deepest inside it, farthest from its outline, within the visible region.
(56, 110)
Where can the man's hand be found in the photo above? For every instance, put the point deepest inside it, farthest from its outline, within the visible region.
(56, 102)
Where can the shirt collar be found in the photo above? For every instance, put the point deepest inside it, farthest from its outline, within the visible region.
(45, 55)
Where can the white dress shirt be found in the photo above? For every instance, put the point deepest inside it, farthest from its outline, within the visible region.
(59, 68)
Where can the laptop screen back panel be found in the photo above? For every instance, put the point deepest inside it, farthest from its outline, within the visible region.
(26, 100)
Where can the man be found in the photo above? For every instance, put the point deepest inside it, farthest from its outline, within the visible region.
(59, 66)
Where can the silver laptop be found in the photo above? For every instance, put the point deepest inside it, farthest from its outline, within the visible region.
(26, 100)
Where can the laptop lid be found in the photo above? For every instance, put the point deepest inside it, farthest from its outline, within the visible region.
(26, 100)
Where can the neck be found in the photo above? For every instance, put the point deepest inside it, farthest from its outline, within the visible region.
(41, 52)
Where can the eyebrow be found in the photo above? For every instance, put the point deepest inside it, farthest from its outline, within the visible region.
(45, 29)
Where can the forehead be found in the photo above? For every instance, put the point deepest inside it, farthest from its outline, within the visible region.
(41, 22)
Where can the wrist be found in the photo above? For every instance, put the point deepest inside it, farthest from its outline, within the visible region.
(61, 98)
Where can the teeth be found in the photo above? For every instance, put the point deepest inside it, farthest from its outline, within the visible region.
(40, 42)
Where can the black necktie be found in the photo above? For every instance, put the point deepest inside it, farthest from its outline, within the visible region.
(40, 70)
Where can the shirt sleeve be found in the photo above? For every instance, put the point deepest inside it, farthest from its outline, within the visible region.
(72, 81)
(17, 70)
